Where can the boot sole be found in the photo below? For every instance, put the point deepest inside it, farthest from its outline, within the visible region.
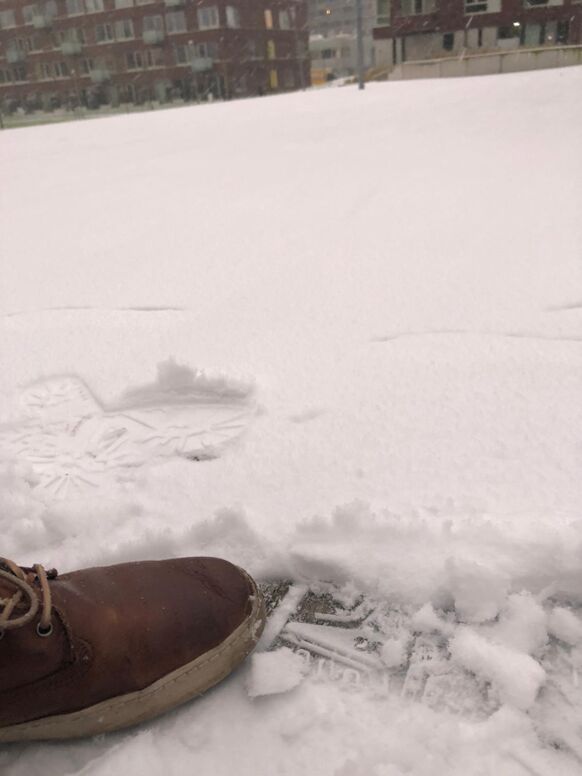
(174, 689)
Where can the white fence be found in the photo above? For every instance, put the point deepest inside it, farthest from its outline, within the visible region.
(487, 64)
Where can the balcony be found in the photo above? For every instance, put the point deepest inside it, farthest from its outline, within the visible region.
(100, 75)
(71, 48)
(40, 21)
(201, 64)
(14, 56)
(153, 37)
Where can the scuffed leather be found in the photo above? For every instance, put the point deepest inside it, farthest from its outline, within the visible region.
(118, 629)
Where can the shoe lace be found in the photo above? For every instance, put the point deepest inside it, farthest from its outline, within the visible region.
(23, 581)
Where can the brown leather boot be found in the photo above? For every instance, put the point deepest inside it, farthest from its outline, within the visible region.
(104, 648)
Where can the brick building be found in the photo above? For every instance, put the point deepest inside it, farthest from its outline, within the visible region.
(62, 53)
(412, 30)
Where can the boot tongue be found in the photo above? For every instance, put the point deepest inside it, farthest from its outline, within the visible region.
(7, 589)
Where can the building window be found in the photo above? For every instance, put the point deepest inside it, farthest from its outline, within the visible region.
(55, 70)
(271, 50)
(562, 31)
(75, 7)
(154, 58)
(232, 17)
(383, 11)
(208, 18)
(449, 41)
(475, 6)
(134, 60)
(328, 53)
(505, 33)
(268, 19)
(7, 20)
(123, 4)
(19, 45)
(284, 20)
(153, 24)
(104, 33)
(72, 35)
(417, 7)
(181, 55)
(19, 73)
(94, 6)
(273, 79)
(87, 65)
(289, 79)
(534, 3)
(124, 29)
(176, 21)
(28, 12)
(533, 35)
(207, 50)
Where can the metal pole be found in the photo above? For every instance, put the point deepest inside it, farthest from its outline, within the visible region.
(360, 43)
(299, 53)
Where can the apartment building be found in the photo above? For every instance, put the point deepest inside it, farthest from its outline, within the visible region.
(415, 30)
(63, 53)
(332, 40)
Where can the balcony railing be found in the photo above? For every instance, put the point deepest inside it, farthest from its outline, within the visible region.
(201, 64)
(152, 37)
(14, 56)
(40, 21)
(99, 75)
(71, 48)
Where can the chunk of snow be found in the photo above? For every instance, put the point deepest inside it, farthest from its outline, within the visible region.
(517, 677)
(522, 624)
(478, 591)
(394, 651)
(565, 626)
(275, 672)
(427, 620)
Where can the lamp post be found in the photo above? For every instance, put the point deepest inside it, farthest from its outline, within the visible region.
(299, 49)
(193, 72)
(76, 87)
(360, 43)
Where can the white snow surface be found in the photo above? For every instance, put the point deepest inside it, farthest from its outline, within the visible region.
(396, 276)
(274, 672)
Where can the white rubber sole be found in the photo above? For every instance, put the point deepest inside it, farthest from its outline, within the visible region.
(172, 690)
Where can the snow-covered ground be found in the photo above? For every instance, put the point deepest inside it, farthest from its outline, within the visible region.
(391, 284)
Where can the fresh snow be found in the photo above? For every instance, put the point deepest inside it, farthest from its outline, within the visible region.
(390, 282)
(274, 672)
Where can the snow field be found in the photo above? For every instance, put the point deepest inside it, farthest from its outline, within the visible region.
(395, 277)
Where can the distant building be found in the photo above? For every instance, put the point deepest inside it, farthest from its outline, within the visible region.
(416, 30)
(332, 37)
(61, 53)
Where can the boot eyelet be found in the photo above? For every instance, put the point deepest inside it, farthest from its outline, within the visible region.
(44, 632)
